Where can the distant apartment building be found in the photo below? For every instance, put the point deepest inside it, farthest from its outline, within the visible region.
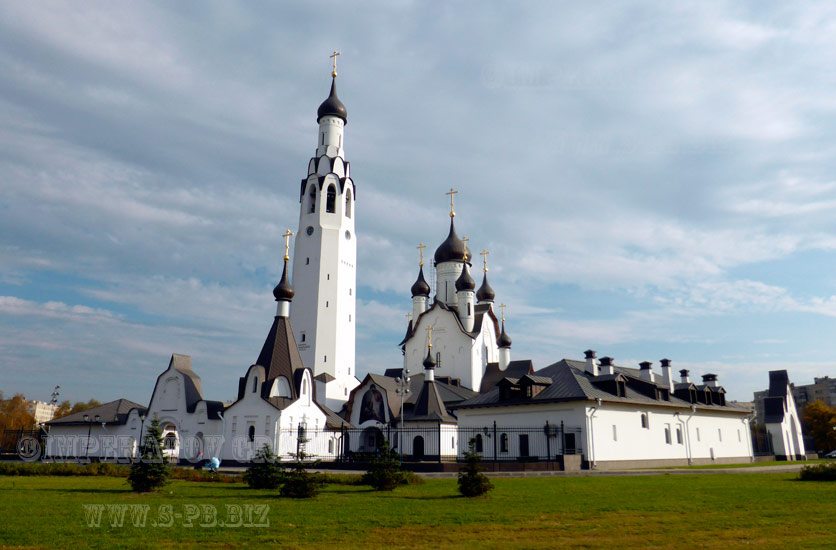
(43, 412)
(822, 389)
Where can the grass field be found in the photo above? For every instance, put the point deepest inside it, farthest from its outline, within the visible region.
(660, 511)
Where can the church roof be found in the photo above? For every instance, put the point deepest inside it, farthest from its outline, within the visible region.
(504, 341)
(283, 290)
(571, 382)
(515, 369)
(420, 287)
(485, 292)
(453, 248)
(465, 281)
(280, 357)
(115, 412)
(429, 406)
(480, 311)
(332, 106)
(775, 402)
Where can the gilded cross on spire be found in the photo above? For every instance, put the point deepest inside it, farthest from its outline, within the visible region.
(464, 252)
(502, 307)
(451, 192)
(287, 237)
(334, 57)
(429, 336)
(421, 248)
(484, 255)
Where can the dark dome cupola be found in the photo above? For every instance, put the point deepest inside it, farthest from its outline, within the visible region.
(465, 281)
(420, 287)
(332, 106)
(485, 292)
(453, 249)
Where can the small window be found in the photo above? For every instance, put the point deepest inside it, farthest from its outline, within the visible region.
(438, 360)
(503, 443)
(255, 384)
(330, 446)
(345, 391)
(267, 426)
(644, 420)
(348, 205)
(614, 433)
(307, 261)
(328, 277)
(478, 445)
(679, 436)
(324, 358)
(251, 433)
(326, 303)
(349, 292)
(720, 433)
(304, 336)
(331, 199)
(668, 434)
(349, 317)
(738, 436)
(698, 434)
(312, 200)
(468, 309)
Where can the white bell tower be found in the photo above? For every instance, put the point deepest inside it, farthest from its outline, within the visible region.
(325, 258)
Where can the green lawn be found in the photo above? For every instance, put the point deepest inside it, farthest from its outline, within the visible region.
(661, 511)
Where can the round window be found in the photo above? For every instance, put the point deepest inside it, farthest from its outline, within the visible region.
(309, 230)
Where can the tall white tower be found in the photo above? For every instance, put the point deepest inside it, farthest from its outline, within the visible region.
(324, 261)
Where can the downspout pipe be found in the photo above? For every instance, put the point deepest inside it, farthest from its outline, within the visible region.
(688, 434)
(589, 426)
(748, 438)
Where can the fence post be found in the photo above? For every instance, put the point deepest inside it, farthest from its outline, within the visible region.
(439, 442)
(548, 443)
(562, 438)
(495, 458)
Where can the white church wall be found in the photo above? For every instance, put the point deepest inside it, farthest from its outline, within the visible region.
(454, 348)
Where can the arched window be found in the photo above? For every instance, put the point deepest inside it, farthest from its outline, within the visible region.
(312, 196)
(331, 200)
(503, 443)
(251, 433)
(644, 420)
(348, 204)
(478, 443)
(255, 384)
(418, 447)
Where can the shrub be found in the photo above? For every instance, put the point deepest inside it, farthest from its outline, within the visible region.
(298, 483)
(818, 472)
(472, 482)
(384, 473)
(150, 471)
(265, 472)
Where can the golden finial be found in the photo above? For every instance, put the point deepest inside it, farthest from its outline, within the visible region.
(287, 237)
(421, 248)
(484, 255)
(429, 336)
(502, 307)
(464, 252)
(451, 192)
(334, 57)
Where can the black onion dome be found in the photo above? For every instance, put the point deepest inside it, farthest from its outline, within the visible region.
(465, 281)
(452, 249)
(485, 292)
(420, 287)
(429, 362)
(283, 290)
(504, 340)
(332, 106)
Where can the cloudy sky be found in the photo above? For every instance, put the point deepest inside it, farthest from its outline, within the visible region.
(652, 179)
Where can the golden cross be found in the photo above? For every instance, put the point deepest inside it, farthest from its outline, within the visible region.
(429, 336)
(464, 252)
(287, 237)
(421, 248)
(334, 56)
(451, 192)
(502, 307)
(484, 255)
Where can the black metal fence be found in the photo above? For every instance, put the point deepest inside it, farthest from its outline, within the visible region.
(437, 443)
(20, 443)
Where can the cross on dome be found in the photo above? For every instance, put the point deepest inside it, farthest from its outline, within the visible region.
(334, 57)
(451, 192)
(421, 248)
(484, 255)
(288, 234)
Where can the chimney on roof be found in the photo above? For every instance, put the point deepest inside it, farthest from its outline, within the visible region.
(591, 363)
(645, 373)
(607, 365)
(683, 376)
(667, 373)
(710, 380)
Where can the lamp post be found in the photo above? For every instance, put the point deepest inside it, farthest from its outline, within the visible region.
(96, 419)
(141, 429)
(402, 388)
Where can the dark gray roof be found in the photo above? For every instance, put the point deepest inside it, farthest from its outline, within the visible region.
(332, 105)
(571, 382)
(516, 369)
(429, 406)
(280, 357)
(453, 248)
(115, 412)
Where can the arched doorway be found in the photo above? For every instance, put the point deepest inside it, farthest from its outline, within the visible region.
(371, 440)
(418, 448)
(171, 442)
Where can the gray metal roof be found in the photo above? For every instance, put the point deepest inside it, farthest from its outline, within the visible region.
(115, 412)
